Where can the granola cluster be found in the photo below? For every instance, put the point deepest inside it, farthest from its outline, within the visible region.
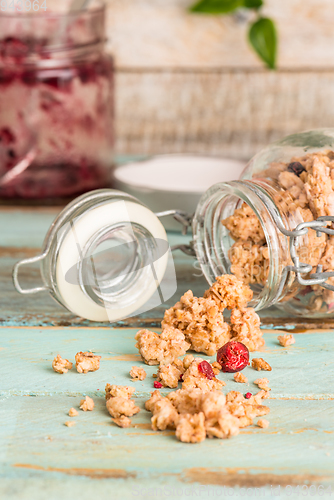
(195, 413)
(61, 365)
(286, 340)
(87, 404)
(137, 373)
(119, 403)
(202, 322)
(85, 362)
(161, 349)
(305, 191)
(260, 364)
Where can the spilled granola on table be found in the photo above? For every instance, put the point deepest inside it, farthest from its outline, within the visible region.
(61, 365)
(122, 421)
(260, 364)
(87, 404)
(137, 373)
(240, 378)
(202, 322)
(286, 340)
(70, 423)
(164, 348)
(119, 402)
(199, 409)
(196, 413)
(262, 383)
(305, 188)
(87, 362)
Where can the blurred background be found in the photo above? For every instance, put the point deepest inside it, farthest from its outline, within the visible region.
(191, 83)
(182, 82)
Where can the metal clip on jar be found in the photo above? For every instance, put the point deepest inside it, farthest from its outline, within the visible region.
(271, 229)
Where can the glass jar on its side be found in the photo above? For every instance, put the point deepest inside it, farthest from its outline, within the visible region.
(56, 103)
(104, 257)
(237, 224)
(245, 227)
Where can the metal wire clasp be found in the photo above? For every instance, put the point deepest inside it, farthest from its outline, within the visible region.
(318, 278)
(185, 220)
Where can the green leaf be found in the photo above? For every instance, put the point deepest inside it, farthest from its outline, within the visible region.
(253, 4)
(263, 38)
(216, 6)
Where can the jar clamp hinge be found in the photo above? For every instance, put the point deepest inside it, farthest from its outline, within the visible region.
(185, 220)
(319, 277)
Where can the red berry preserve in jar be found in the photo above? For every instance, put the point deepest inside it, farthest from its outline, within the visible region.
(56, 103)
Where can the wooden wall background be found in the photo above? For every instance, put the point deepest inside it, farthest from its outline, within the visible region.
(188, 82)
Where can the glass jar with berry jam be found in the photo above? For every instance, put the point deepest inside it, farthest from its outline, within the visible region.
(56, 103)
(273, 229)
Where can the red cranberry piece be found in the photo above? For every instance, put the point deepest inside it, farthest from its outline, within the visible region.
(157, 385)
(181, 378)
(296, 168)
(205, 368)
(233, 357)
(248, 395)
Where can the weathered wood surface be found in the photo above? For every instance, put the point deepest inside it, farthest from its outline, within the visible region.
(234, 113)
(188, 82)
(41, 458)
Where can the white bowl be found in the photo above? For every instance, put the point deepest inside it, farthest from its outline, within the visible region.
(174, 181)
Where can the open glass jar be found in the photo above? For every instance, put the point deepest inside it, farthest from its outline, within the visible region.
(272, 229)
(56, 103)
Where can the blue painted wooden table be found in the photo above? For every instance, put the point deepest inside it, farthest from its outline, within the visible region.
(40, 458)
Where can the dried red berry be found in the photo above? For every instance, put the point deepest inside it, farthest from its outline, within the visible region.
(233, 357)
(157, 385)
(296, 168)
(248, 395)
(205, 368)
(181, 378)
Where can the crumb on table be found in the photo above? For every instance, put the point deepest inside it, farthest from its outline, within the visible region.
(262, 383)
(73, 412)
(241, 378)
(70, 423)
(87, 404)
(260, 364)
(286, 340)
(119, 402)
(137, 373)
(87, 362)
(61, 365)
(122, 421)
(263, 423)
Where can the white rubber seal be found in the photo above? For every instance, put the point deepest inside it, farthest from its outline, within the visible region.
(80, 233)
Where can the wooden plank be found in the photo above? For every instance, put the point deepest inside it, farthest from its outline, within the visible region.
(38, 454)
(155, 33)
(229, 112)
(28, 353)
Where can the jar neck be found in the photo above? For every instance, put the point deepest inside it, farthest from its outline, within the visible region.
(214, 245)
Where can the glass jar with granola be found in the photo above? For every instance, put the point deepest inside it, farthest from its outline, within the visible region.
(56, 102)
(248, 227)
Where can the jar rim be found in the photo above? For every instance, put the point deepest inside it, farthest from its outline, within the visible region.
(50, 35)
(207, 216)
